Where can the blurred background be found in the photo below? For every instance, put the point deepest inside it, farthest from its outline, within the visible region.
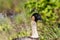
(15, 17)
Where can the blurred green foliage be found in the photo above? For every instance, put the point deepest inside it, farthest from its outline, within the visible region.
(47, 28)
(46, 8)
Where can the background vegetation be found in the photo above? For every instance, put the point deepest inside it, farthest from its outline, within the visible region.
(15, 19)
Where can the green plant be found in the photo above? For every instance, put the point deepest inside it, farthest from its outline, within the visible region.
(48, 28)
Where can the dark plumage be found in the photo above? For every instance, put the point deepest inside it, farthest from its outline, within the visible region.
(37, 16)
